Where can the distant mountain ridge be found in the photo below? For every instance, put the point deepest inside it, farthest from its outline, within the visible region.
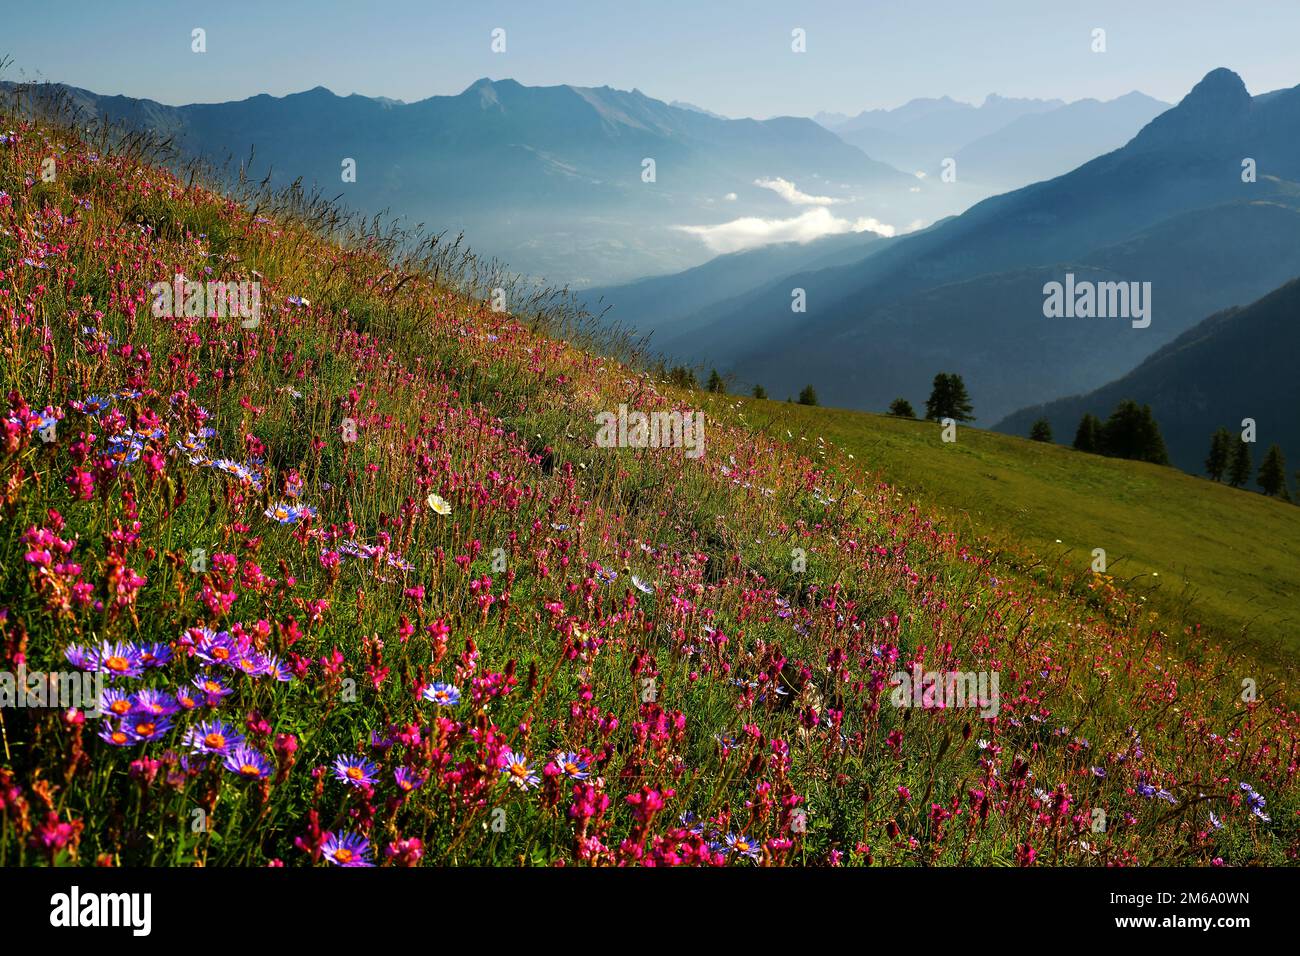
(1239, 363)
(1040, 146)
(919, 134)
(1169, 207)
(553, 179)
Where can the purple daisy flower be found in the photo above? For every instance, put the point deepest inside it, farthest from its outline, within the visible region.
(218, 648)
(186, 699)
(155, 655)
(212, 737)
(144, 728)
(444, 695)
(346, 849)
(248, 762)
(571, 765)
(515, 767)
(407, 780)
(155, 703)
(117, 659)
(116, 736)
(116, 702)
(213, 689)
(743, 845)
(355, 771)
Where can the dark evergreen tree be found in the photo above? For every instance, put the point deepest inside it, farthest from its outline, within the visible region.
(902, 408)
(760, 391)
(808, 396)
(1041, 430)
(1216, 462)
(949, 399)
(1240, 467)
(1131, 432)
(1272, 473)
(683, 377)
(1088, 435)
(715, 383)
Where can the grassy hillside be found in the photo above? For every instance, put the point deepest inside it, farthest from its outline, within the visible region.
(1197, 550)
(365, 588)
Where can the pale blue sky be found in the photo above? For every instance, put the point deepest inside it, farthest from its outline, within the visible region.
(729, 56)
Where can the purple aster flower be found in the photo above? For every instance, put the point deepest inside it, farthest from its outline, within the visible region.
(144, 728)
(186, 699)
(346, 849)
(116, 736)
(407, 780)
(515, 767)
(248, 762)
(355, 771)
(155, 703)
(444, 695)
(212, 737)
(155, 655)
(743, 846)
(571, 765)
(218, 648)
(213, 689)
(117, 659)
(116, 702)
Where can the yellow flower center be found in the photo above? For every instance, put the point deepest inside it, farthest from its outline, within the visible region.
(116, 663)
(249, 770)
(354, 773)
(215, 741)
(343, 855)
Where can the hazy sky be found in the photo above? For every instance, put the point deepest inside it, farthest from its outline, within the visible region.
(733, 57)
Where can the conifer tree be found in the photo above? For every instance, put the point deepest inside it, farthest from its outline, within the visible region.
(1272, 472)
(1088, 436)
(949, 399)
(902, 408)
(1240, 467)
(1216, 463)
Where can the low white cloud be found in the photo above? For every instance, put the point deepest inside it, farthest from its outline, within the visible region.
(730, 197)
(750, 232)
(791, 194)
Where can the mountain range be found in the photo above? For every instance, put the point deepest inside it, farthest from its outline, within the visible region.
(554, 180)
(1234, 365)
(1003, 143)
(1170, 207)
